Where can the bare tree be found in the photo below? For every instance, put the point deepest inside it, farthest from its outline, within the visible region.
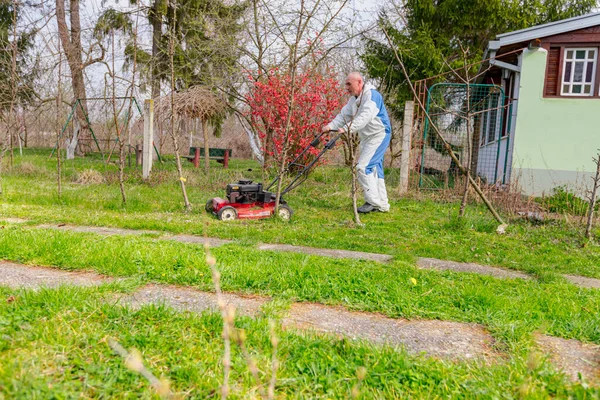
(444, 142)
(58, 127)
(592, 201)
(174, 121)
(351, 142)
(70, 37)
(292, 33)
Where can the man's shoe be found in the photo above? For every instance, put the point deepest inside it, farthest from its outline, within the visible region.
(366, 208)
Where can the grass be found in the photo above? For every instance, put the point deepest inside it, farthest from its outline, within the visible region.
(54, 346)
(414, 228)
(58, 336)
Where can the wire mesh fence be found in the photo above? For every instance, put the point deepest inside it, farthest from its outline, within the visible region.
(474, 120)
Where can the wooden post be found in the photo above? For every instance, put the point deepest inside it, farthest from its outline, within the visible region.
(407, 129)
(196, 159)
(226, 159)
(148, 138)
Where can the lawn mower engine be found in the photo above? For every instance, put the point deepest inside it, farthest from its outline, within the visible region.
(247, 200)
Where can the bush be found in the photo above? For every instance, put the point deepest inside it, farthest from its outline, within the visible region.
(89, 177)
(564, 202)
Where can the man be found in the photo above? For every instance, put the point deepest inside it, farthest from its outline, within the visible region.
(365, 113)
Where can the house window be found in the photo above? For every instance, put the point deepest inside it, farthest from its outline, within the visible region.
(579, 69)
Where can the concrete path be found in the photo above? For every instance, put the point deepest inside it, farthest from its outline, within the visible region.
(213, 242)
(441, 339)
(28, 277)
(356, 255)
(433, 263)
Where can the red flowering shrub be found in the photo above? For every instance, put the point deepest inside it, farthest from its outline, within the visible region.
(317, 99)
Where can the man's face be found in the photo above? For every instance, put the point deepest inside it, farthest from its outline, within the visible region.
(353, 85)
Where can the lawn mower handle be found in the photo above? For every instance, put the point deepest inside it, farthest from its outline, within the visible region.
(303, 174)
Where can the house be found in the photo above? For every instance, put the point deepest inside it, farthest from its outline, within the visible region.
(550, 129)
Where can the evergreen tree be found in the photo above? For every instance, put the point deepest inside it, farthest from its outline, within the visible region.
(433, 31)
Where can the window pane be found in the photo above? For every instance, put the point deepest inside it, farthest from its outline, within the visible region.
(588, 73)
(587, 89)
(578, 75)
(576, 89)
(591, 54)
(570, 55)
(568, 66)
(580, 54)
(566, 89)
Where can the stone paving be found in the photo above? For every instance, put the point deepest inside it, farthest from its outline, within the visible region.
(30, 277)
(435, 338)
(424, 263)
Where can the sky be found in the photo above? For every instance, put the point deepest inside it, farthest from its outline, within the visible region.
(366, 13)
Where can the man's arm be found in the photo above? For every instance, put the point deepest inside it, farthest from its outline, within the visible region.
(341, 120)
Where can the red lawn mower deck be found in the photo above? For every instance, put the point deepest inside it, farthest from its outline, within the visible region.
(248, 200)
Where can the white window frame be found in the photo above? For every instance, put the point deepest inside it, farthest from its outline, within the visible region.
(583, 83)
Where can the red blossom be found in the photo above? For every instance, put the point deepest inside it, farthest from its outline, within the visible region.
(317, 98)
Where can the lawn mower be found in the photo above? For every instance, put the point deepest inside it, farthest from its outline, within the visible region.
(249, 200)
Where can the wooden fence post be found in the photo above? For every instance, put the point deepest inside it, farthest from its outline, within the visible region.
(407, 131)
(196, 159)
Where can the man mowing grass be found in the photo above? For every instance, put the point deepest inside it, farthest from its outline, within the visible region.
(365, 113)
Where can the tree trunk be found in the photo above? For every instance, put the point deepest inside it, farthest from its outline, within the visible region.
(72, 143)
(71, 43)
(156, 21)
(206, 147)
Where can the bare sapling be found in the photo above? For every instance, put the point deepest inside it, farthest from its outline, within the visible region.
(228, 315)
(188, 206)
(58, 127)
(274, 360)
(593, 197)
(240, 338)
(467, 115)
(307, 15)
(361, 374)
(206, 147)
(133, 361)
(8, 143)
(446, 145)
(350, 141)
(116, 113)
(13, 82)
(230, 333)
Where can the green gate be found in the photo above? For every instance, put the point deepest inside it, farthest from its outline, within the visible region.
(475, 120)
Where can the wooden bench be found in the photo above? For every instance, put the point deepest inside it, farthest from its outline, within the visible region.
(220, 155)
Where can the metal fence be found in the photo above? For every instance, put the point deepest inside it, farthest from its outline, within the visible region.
(475, 120)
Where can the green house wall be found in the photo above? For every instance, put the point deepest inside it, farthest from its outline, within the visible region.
(555, 138)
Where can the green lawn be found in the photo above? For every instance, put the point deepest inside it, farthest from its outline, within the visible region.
(187, 348)
(54, 345)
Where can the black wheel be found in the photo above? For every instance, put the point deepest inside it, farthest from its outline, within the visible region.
(227, 213)
(209, 206)
(285, 212)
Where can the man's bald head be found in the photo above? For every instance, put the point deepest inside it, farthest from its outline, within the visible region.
(354, 83)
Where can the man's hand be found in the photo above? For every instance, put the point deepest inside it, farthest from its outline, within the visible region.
(326, 128)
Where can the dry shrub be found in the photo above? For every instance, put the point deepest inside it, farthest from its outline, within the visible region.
(89, 177)
(159, 177)
(27, 168)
